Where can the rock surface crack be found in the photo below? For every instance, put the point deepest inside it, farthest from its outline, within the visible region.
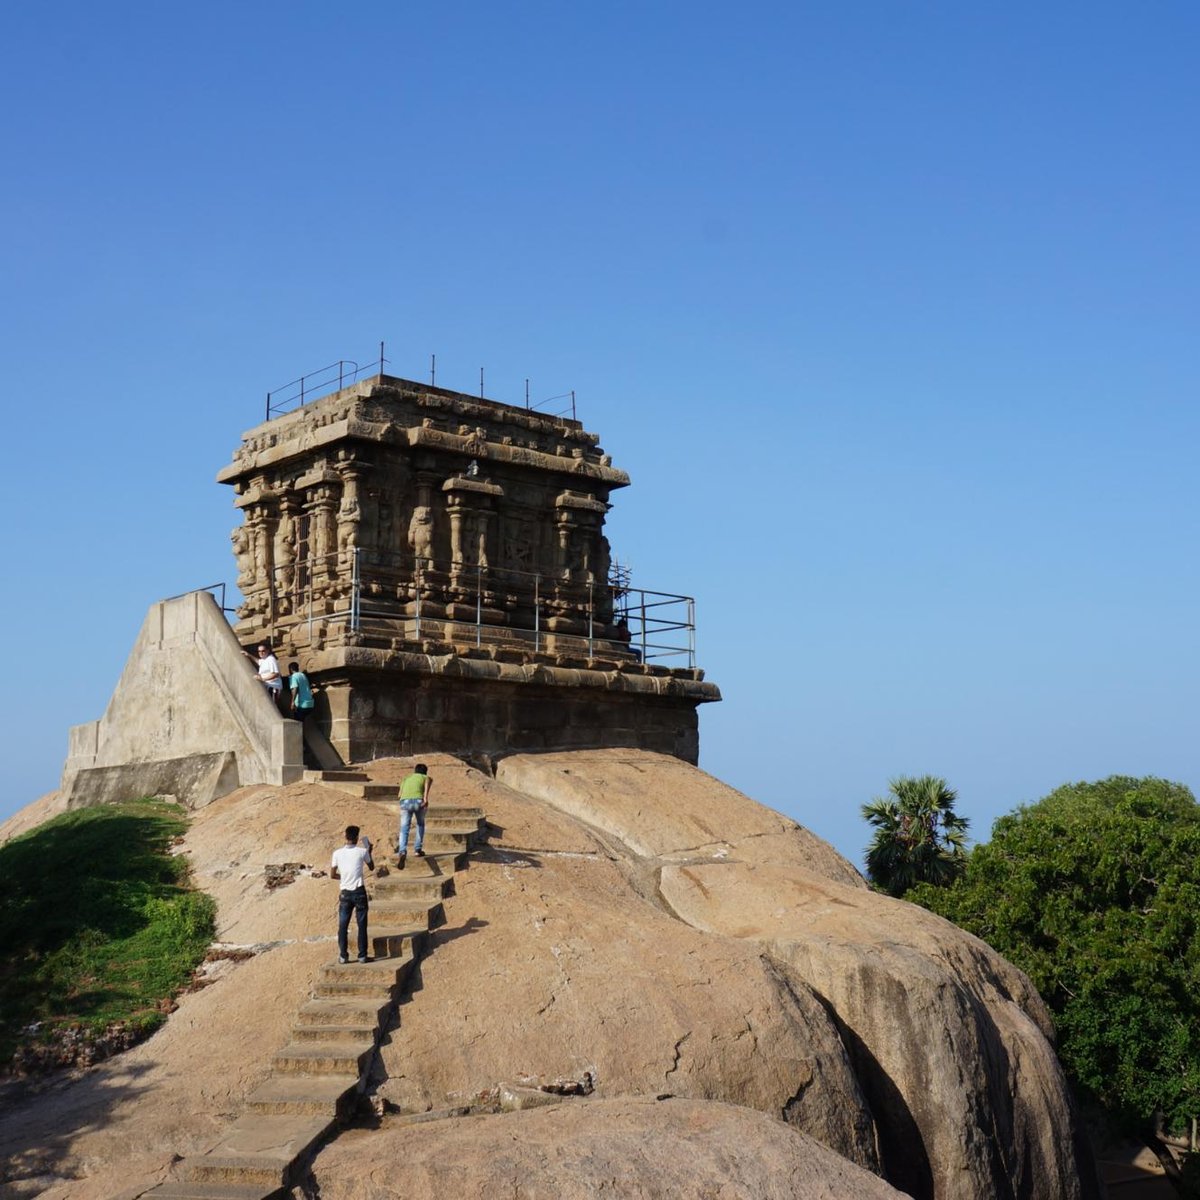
(678, 1048)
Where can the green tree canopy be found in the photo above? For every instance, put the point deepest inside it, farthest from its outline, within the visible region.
(1095, 893)
(918, 837)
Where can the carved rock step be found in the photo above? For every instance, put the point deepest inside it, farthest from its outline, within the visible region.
(324, 1058)
(442, 841)
(390, 942)
(341, 775)
(338, 1035)
(305, 1095)
(385, 971)
(437, 864)
(410, 887)
(373, 982)
(368, 790)
(354, 783)
(200, 1190)
(453, 813)
(366, 988)
(258, 1149)
(342, 1011)
(399, 911)
(472, 825)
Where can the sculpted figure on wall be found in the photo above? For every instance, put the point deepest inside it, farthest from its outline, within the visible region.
(603, 560)
(243, 556)
(347, 524)
(260, 538)
(324, 529)
(285, 553)
(420, 535)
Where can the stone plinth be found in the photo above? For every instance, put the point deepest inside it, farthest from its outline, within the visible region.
(376, 703)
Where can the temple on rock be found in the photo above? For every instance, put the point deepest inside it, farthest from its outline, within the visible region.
(438, 565)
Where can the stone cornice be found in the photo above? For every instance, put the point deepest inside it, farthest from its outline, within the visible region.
(405, 415)
(634, 679)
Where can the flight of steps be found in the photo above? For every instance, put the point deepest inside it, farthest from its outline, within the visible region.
(315, 1080)
(448, 828)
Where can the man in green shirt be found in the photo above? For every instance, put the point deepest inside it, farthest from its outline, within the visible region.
(414, 800)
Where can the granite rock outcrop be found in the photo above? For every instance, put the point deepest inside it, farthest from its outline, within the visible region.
(633, 928)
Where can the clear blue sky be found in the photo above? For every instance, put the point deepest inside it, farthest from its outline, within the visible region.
(889, 310)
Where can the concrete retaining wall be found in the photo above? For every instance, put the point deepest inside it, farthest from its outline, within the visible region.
(188, 717)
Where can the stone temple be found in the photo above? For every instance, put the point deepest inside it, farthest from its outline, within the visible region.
(437, 564)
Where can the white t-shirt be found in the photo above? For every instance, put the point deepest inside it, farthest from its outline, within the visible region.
(270, 666)
(349, 862)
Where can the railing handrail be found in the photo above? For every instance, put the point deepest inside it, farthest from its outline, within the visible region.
(633, 609)
(211, 587)
(314, 384)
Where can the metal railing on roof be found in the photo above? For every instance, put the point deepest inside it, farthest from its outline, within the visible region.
(321, 382)
(612, 617)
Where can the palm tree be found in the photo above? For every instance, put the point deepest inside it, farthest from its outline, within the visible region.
(918, 837)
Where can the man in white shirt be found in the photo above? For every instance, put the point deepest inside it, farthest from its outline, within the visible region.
(347, 867)
(268, 673)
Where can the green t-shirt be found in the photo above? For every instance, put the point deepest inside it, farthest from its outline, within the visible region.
(413, 787)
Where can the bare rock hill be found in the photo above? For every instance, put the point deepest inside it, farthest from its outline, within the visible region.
(636, 930)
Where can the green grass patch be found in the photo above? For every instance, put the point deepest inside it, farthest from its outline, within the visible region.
(98, 921)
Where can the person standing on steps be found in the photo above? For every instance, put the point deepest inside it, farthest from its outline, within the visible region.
(301, 689)
(414, 800)
(301, 707)
(268, 673)
(347, 867)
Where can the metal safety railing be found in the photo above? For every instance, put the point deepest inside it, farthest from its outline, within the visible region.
(321, 382)
(216, 589)
(370, 591)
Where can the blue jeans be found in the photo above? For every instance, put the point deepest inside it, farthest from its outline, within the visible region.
(352, 902)
(406, 816)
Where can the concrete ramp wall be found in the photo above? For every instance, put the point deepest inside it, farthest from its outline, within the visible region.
(188, 717)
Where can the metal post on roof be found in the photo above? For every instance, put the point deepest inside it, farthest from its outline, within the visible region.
(527, 395)
(481, 383)
(573, 417)
(433, 370)
(380, 358)
(591, 615)
(691, 610)
(417, 574)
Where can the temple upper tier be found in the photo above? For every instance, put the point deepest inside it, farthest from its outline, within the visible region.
(402, 514)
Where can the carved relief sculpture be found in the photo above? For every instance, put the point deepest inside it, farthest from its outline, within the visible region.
(420, 535)
(244, 557)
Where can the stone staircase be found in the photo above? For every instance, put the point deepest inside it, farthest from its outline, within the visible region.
(315, 1081)
(448, 828)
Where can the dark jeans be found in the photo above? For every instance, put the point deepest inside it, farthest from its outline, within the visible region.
(356, 902)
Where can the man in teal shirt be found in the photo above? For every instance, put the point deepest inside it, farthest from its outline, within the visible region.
(302, 697)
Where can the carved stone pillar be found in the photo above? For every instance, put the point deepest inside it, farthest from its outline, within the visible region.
(285, 554)
(469, 502)
(349, 514)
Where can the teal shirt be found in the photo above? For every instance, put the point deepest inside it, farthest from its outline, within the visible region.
(303, 697)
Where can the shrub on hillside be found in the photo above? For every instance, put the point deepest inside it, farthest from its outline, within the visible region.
(98, 923)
